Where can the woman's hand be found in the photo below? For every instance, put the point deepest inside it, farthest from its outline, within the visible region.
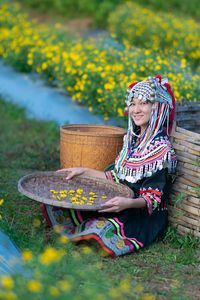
(116, 204)
(73, 172)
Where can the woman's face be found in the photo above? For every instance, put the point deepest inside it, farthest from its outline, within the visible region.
(140, 113)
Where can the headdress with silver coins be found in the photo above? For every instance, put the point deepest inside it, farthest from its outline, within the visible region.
(151, 90)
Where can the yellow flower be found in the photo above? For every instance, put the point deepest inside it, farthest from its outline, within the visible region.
(124, 285)
(7, 282)
(27, 255)
(139, 288)
(51, 255)
(57, 25)
(54, 291)
(44, 66)
(120, 112)
(1, 201)
(34, 286)
(90, 108)
(86, 249)
(30, 62)
(63, 239)
(64, 285)
(115, 293)
(36, 222)
(148, 296)
(74, 199)
(58, 228)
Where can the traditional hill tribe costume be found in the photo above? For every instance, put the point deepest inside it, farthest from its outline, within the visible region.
(146, 164)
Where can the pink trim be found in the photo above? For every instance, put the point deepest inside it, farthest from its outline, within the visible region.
(79, 216)
(157, 199)
(123, 234)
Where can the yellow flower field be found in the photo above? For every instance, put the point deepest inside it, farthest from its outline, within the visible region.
(87, 69)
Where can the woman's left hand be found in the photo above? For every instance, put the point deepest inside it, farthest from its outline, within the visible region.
(116, 204)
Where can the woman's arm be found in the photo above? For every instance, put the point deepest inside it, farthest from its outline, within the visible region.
(118, 204)
(83, 171)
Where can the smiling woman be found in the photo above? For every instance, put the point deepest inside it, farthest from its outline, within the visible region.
(146, 164)
(140, 113)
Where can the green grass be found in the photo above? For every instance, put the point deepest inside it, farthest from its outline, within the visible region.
(166, 270)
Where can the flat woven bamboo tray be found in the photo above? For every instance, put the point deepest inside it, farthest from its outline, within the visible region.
(184, 205)
(80, 192)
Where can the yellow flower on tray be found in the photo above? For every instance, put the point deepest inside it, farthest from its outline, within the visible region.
(79, 191)
(74, 199)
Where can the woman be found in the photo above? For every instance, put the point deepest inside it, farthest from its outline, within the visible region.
(146, 164)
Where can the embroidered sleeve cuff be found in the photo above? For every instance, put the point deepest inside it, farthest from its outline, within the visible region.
(152, 198)
(111, 175)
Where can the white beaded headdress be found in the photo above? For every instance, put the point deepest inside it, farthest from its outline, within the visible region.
(151, 90)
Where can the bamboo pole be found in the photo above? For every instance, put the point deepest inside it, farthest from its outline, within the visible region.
(185, 167)
(180, 188)
(189, 208)
(183, 230)
(184, 159)
(191, 157)
(182, 223)
(194, 200)
(174, 207)
(194, 224)
(188, 132)
(193, 146)
(181, 171)
(180, 136)
(189, 180)
(178, 205)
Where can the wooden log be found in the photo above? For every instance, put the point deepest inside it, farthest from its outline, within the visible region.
(183, 230)
(189, 209)
(180, 136)
(181, 171)
(174, 210)
(194, 224)
(193, 146)
(193, 158)
(178, 205)
(187, 157)
(186, 167)
(185, 191)
(188, 227)
(188, 180)
(188, 133)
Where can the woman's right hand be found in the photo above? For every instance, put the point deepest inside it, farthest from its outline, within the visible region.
(73, 172)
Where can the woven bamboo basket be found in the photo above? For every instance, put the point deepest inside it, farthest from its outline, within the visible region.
(93, 146)
(184, 205)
